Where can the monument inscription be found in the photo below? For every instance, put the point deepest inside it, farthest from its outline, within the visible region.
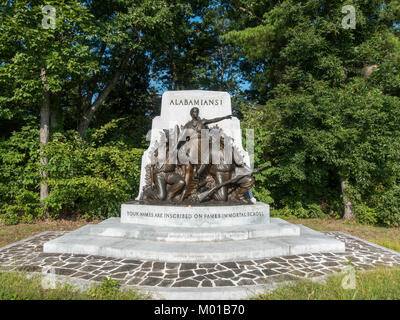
(194, 216)
(212, 103)
(196, 102)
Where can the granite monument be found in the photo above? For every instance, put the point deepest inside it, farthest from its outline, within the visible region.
(195, 202)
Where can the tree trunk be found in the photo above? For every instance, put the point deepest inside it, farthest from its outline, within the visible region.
(90, 111)
(44, 134)
(348, 207)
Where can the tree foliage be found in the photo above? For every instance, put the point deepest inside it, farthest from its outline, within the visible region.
(328, 122)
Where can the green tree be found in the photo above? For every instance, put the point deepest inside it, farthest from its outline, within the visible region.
(335, 94)
(127, 30)
(42, 58)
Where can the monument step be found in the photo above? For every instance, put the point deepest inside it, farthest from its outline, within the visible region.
(114, 228)
(82, 242)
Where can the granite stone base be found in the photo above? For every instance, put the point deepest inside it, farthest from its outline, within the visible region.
(114, 239)
(114, 228)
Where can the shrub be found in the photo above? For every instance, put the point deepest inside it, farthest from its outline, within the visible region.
(19, 176)
(365, 214)
(25, 208)
(84, 178)
(89, 180)
(297, 210)
(108, 288)
(388, 206)
(262, 194)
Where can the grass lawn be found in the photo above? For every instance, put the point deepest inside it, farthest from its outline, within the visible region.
(10, 234)
(387, 237)
(379, 284)
(16, 286)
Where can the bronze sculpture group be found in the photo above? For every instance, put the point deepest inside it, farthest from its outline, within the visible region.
(220, 176)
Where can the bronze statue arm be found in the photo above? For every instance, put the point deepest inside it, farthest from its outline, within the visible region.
(208, 121)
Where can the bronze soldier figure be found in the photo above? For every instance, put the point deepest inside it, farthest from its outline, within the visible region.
(192, 146)
(223, 171)
(165, 183)
(221, 176)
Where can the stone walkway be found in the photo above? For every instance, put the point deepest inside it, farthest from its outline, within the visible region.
(27, 255)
